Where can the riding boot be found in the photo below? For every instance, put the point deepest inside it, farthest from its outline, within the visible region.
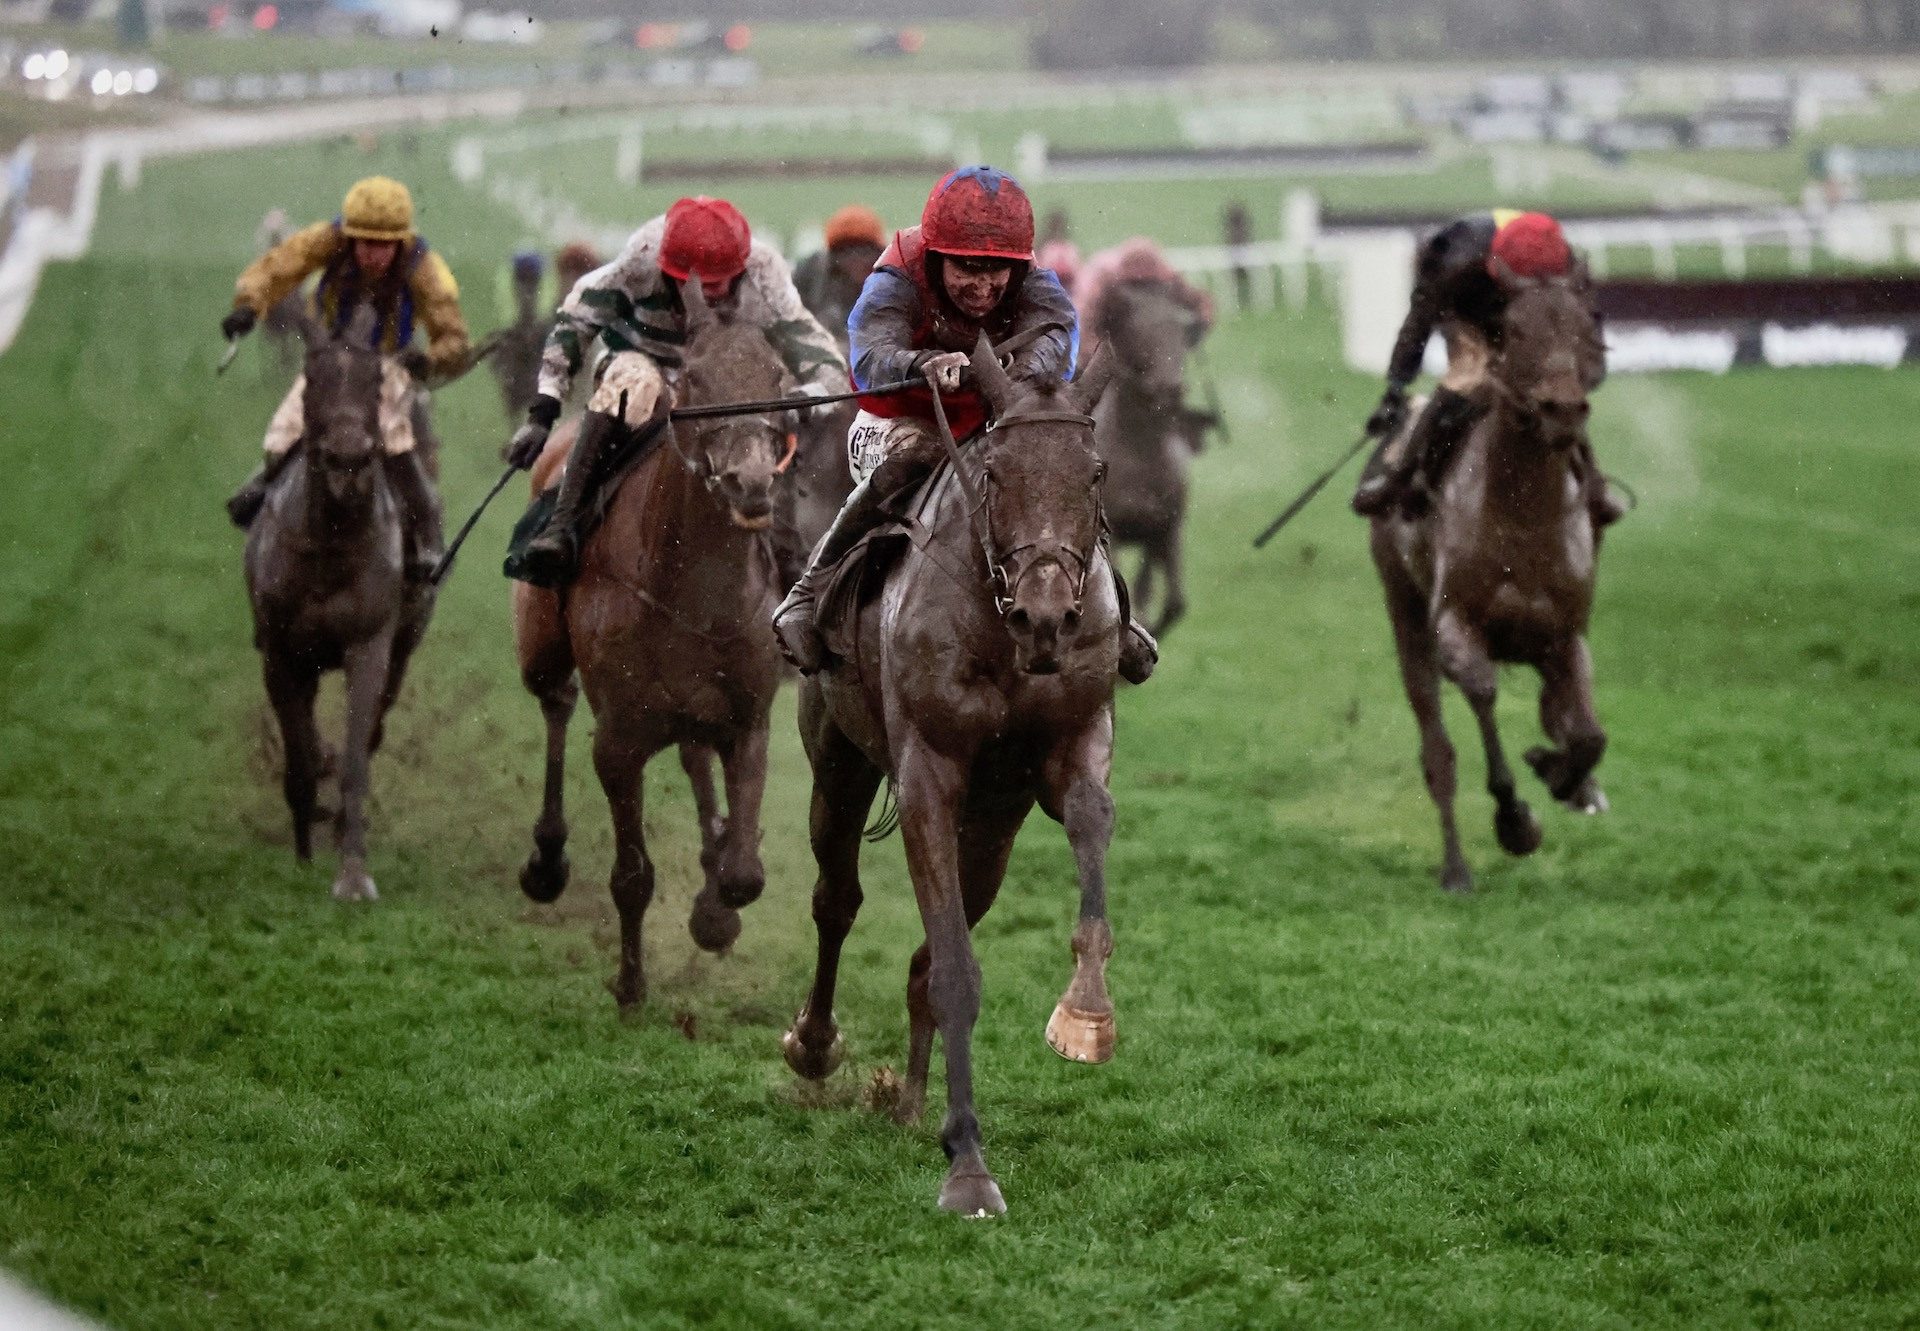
(419, 512)
(551, 557)
(247, 501)
(1441, 428)
(1139, 653)
(1379, 479)
(866, 507)
(1602, 507)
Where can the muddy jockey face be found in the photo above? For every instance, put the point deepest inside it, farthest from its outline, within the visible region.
(978, 229)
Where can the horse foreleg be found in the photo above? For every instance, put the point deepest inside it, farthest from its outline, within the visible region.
(1420, 676)
(546, 671)
(366, 669)
(931, 788)
(844, 783)
(743, 763)
(620, 766)
(714, 926)
(1173, 607)
(291, 690)
(1464, 656)
(1567, 715)
(1075, 777)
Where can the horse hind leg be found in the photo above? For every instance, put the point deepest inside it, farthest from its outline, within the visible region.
(1470, 665)
(291, 691)
(844, 783)
(1173, 607)
(714, 926)
(1567, 716)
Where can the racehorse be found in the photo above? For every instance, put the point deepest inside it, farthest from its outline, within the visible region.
(816, 487)
(979, 680)
(1148, 436)
(668, 626)
(1502, 569)
(325, 577)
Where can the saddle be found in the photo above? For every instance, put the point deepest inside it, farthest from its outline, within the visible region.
(634, 449)
(853, 583)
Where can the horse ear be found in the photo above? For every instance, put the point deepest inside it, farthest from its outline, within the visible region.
(1579, 274)
(1510, 282)
(693, 298)
(1091, 385)
(992, 377)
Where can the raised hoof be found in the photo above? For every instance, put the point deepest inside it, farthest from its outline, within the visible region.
(1519, 831)
(974, 1196)
(544, 879)
(1083, 1037)
(1589, 799)
(744, 890)
(355, 887)
(809, 1062)
(715, 928)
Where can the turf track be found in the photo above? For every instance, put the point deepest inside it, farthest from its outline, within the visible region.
(1663, 1073)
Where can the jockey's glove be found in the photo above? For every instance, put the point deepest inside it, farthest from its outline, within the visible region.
(239, 322)
(1390, 414)
(947, 369)
(524, 449)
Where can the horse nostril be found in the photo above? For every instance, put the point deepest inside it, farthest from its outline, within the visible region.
(1070, 622)
(1019, 621)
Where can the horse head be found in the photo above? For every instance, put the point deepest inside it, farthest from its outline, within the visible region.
(1551, 356)
(1148, 332)
(341, 406)
(737, 456)
(1041, 499)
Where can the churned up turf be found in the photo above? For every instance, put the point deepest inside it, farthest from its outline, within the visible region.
(1664, 1073)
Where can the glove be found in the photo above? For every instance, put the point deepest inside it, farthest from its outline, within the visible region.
(414, 361)
(524, 448)
(1390, 414)
(239, 322)
(946, 369)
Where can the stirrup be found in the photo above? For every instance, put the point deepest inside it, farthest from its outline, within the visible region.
(1139, 653)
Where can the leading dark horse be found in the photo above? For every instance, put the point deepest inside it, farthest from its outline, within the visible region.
(324, 574)
(1502, 569)
(980, 680)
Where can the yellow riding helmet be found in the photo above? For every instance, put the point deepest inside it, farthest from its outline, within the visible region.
(377, 209)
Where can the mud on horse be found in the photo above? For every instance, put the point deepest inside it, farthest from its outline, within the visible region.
(325, 579)
(980, 680)
(1502, 569)
(667, 627)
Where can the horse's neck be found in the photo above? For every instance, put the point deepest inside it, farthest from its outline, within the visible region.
(692, 551)
(1522, 477)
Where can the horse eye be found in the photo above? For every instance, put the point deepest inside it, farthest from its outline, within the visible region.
(1099, 472)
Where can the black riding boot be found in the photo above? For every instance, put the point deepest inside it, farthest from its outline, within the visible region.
(866, 507)
(1380, 479)
(551, 557)
(247, 501)
(419, 511)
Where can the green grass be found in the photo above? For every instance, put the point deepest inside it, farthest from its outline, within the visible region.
(1662, 1073)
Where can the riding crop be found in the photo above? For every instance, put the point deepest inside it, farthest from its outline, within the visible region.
(1306, 495)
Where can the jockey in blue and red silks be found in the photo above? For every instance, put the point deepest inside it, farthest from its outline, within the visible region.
(967, 269)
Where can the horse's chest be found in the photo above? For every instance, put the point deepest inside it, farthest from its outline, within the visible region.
(1517, 578)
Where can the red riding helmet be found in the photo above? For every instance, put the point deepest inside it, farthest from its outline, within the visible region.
(708, 237)
(978, 211)
(1532, 245)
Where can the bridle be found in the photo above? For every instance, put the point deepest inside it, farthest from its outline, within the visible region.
(980, 512)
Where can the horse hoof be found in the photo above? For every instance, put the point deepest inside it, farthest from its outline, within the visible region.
(1588, 798)
(355, 887)
(1457, 879)
(912, 1104)
(974, 1196)
(1083, 1037)
(743, 890)
(715, 928)
(1519, 831)
(542, 879)
(628, 996)
(809, 1062)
